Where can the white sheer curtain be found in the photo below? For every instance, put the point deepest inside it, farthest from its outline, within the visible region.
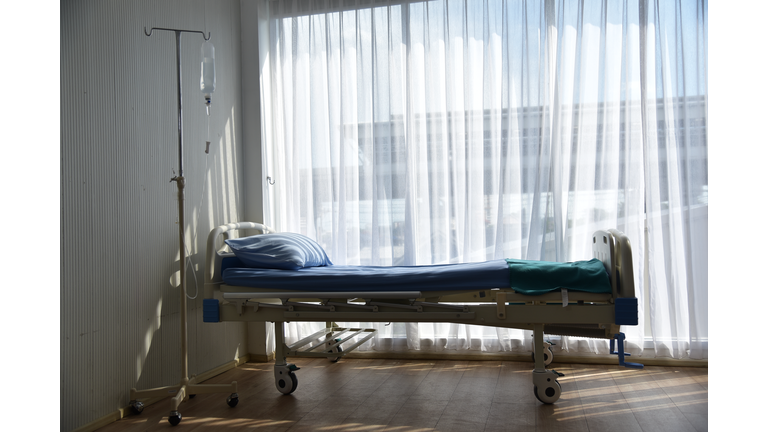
(673, 83)
(406, 133)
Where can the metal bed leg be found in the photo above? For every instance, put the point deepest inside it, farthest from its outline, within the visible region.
(285, 379)
(545, 386)
(538, 347)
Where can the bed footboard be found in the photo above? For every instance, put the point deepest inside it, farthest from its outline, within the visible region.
(613, 248)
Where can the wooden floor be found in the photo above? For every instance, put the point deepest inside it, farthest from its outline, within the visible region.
(411, 395)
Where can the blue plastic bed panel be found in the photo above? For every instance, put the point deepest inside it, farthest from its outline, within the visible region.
(529, 277)
(210, 310)
(626, 311)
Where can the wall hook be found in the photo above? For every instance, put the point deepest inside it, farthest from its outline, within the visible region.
(270, 181)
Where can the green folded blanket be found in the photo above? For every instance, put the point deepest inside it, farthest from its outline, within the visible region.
(539, 277)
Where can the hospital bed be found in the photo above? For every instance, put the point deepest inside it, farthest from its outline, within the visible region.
(584, 299)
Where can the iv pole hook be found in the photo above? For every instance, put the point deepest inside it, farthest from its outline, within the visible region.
(176, 30)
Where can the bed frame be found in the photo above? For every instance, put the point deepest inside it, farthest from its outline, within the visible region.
(566, 313)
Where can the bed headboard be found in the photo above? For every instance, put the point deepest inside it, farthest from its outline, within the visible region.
(216, 249)
(612, 247)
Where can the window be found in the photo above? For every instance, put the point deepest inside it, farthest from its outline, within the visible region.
(446, 131)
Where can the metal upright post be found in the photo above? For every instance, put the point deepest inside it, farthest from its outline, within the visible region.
(178, 92)
(180, 182)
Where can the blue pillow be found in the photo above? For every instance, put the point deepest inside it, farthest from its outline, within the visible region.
(290, 251)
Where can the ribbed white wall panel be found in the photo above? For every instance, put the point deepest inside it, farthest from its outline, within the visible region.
(119, 150)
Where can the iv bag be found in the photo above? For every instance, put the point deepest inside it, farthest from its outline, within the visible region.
(207, 71)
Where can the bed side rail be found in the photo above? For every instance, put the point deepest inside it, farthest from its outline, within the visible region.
(215, 251)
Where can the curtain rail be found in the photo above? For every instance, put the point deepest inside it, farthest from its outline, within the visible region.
(309, 7)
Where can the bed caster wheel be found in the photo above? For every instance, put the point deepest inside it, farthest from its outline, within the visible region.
(137, 407)
(232, 400)
(549, 395)
(338, 349)
(285, 380)
(545, 386)
(287, 384)
(174, 418)
(548, 356)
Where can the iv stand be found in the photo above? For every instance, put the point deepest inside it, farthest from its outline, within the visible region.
(187, 387)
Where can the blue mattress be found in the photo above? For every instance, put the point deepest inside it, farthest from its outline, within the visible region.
(527, 277)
